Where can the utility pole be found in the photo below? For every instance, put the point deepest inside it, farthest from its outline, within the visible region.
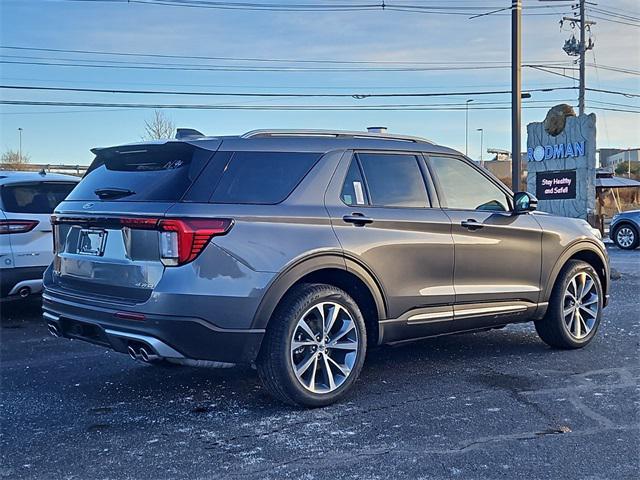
(516, 92)
(481, 130)
(579, 49)
(466, 128)
(20, 142)
(583, 52)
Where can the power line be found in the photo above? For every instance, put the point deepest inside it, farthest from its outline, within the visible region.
(614, 14)
(409, 66)
(257, 59)
(434, 66)
(613, 92)
(433, 9)
(358, 96)
(620, 22)
(213, 68)
(280, 107)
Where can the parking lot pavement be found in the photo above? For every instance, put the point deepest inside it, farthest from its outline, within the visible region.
(489, 405)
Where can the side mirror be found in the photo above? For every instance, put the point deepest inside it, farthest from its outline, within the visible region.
(524, 202)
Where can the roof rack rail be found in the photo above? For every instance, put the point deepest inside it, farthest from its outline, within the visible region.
(332, 133)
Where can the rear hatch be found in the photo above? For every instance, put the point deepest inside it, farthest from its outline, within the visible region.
(111, 236)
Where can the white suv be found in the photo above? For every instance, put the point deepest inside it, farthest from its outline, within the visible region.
(27, 200)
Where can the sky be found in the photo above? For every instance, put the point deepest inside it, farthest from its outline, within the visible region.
(421, 40)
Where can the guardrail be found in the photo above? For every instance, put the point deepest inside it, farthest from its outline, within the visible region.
(77, 170)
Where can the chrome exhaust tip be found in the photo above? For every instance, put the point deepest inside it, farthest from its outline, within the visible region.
(148, 356)
(132, 353)
(53, 330)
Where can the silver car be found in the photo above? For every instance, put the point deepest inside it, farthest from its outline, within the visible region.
(625, 229)
(296, 251)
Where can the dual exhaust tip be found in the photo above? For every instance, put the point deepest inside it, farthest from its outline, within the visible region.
(142, 352)
(24, 292)
(136, 351)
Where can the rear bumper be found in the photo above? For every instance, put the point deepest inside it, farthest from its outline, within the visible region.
(12, 279)
(168, 336)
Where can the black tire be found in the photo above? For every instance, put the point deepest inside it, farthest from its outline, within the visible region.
(634, 231)
(553, 329)
(275, 365)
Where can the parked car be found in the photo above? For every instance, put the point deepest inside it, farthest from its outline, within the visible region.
(27, 200)
(625, 229)
(298, 250)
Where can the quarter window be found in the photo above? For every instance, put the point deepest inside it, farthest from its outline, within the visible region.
(393, 180)
(465, 188)
(353, 192)
(262, 177)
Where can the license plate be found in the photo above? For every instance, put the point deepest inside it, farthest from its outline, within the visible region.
(91, 242)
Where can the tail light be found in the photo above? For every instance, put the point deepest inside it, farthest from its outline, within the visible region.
(181, 240)
(17, 226)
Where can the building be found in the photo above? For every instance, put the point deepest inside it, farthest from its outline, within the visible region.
(611, 157)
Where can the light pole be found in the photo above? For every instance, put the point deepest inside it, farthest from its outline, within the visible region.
(516, 91)
(466, 128)
(481, 130)
(20, 142)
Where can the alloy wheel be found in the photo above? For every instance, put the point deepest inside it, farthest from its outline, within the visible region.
(581, 305)
(324, 347)
(625, 237)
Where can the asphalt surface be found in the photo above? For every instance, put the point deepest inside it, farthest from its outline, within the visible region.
(490, 405)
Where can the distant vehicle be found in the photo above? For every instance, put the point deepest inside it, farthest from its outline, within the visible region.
(625, 229)
(27, 200)
(297, 250)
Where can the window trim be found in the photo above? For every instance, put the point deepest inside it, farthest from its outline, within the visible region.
(418, 157)
(442, 199)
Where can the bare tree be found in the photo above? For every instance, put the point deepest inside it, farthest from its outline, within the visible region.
(160, 126)
(14, 159)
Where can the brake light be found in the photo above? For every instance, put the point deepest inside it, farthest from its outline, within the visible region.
(17, 226)
(140, 223)
(181, 241)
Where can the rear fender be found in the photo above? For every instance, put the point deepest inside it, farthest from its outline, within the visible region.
(285, 280)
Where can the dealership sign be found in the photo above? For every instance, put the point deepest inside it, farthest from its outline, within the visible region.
(560, 150)
(556, 185)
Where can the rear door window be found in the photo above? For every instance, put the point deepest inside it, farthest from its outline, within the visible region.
(393, 180)
(262, 177)
(34, 197)
(150, 173)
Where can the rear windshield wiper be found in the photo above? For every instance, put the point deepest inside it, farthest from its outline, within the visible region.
(105, 193)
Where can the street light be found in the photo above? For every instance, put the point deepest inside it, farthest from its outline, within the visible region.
(466, 128)
(20, 137)
(481, 130)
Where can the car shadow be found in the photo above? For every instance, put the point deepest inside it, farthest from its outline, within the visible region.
(386, 368)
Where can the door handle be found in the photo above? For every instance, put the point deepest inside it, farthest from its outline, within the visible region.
(471, 224)
(358, 219)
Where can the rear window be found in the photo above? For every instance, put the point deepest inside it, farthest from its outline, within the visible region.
(160, 173)
(262, 177)
(34, 197)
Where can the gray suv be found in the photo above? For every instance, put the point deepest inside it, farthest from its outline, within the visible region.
(295, 251)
